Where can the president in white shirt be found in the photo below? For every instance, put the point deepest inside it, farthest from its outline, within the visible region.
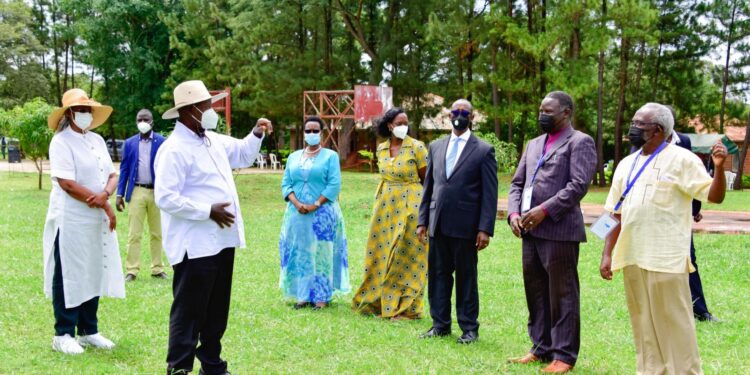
(201, 223)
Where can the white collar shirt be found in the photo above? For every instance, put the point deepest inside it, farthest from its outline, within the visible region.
(464, 139)
(192, 174)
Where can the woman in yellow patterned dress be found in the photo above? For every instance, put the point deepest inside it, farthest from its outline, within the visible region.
(395, 261)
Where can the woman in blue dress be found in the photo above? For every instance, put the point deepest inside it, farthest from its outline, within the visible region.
(312, 247)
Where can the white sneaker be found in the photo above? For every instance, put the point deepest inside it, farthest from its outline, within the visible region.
(96, 340)
(66, 345)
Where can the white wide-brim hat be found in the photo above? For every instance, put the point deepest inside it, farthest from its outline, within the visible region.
(189, 93)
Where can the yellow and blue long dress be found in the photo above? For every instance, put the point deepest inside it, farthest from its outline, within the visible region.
(312, 247)
(395, 261)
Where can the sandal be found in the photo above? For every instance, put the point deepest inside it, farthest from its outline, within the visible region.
(301, 305)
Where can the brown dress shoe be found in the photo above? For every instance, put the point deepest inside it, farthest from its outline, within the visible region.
(526, 359)
(557, 367)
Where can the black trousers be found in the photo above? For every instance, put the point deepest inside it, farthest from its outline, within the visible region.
(200, 310)
(696, 287)
(446, 256)
(550, 278)
(82, 316)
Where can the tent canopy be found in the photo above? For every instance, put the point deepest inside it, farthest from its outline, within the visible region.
(702, 143)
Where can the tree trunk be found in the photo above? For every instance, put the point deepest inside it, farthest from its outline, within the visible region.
(91, 84)
(56, 53)
(509, 94)
(543, 59)
(67, 52)
(73, 67)
(38, 163)
(600, 108)
(328, 38)
(621, 103)
(639, 70)
(495, 94)
(655, 88)
(742, 156)
(725, 78)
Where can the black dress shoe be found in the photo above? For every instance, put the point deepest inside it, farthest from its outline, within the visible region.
(434, 332)
(707, 317)
(129, 277)
(468, 337)
(160, 275)
(201, 372)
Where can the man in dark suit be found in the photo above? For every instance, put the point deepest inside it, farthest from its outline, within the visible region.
(700, 309)
(544, 209)
(136, 186)
(458, 210)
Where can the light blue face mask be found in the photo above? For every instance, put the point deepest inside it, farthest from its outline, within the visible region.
(312, 139)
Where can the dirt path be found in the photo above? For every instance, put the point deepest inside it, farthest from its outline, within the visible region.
(722, 222)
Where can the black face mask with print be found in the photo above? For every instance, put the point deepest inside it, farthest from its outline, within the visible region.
(460, 123)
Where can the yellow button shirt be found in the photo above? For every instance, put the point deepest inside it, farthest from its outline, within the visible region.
(657, 213)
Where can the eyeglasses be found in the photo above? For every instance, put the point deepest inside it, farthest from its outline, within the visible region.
(641, 124)
(460, 112)
(313, 131)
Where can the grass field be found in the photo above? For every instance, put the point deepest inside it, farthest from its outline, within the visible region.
(266, 336)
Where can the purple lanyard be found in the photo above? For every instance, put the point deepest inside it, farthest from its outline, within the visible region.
(630, 182)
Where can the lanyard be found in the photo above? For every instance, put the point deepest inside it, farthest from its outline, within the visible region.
(630, 182)
(540, 162)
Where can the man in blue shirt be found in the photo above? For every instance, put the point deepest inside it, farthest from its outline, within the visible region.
(136, 186)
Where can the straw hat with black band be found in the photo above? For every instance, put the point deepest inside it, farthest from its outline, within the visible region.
(78, 98)
(189, 93)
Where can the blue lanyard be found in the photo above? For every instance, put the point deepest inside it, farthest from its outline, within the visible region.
(630, 182)
(540, 162)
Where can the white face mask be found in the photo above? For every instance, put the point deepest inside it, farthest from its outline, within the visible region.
(83, 119)
(144, 127)
(209, 119)
(400, 131)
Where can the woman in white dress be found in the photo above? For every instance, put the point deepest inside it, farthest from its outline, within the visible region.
(81, 256)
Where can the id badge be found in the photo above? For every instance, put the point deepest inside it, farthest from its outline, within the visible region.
(604, 225)
(526, 199)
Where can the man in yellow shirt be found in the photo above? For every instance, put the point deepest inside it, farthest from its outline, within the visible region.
(651, 196)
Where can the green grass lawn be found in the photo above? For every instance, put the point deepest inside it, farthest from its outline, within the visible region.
(266, 335)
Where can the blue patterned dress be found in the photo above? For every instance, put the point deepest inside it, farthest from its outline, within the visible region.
(312, 247)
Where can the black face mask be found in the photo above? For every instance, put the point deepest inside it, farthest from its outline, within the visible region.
(460, 123)
(546, 122)
(636, 137)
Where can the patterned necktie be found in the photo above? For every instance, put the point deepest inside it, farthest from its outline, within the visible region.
(450, 159)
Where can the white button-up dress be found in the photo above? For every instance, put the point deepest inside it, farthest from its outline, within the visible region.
(192, 173)
(89, 252)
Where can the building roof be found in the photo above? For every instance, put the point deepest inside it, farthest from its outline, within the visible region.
(734, 130)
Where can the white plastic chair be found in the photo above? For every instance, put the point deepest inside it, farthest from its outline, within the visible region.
(730, 176)
(275, 164)
(260, 161)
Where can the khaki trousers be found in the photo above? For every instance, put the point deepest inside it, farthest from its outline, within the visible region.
(661, 313)
(142, 205)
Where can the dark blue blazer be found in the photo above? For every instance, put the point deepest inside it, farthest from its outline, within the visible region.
(686, 144)
(129, 165)
(465, 203)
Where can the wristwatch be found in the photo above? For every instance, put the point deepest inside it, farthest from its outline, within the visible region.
(317, 204)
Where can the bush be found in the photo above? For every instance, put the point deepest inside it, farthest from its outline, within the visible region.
(745, 181)
(28, 123)
(505, 153)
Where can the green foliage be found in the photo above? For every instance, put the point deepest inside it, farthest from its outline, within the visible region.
(369, 155)
(266, 336)
(28, 123)
(21, 77)
(505, 153)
